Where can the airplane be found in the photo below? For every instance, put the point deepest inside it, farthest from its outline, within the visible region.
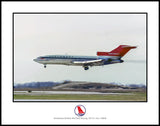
(102, 58)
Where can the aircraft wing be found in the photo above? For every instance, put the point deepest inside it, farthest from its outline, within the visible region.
(89, 62)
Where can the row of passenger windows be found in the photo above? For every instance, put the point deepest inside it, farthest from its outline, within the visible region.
(74, 57)
(59, 57)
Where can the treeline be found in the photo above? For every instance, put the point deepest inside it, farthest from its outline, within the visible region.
(36, 85)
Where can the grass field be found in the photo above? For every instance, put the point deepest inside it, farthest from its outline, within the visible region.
(136, 96)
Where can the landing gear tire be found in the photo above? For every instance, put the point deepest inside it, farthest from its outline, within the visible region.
(86, 68)
(45, 66)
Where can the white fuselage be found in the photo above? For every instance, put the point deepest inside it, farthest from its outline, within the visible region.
(69, 59)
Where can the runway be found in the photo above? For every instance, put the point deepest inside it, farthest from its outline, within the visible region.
(63, 92)
(64, 96)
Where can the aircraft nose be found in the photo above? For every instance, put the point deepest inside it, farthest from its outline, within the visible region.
(35, 60)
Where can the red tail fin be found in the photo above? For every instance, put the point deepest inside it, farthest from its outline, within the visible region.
(119, 51)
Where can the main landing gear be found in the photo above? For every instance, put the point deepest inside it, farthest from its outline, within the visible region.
(86, 67)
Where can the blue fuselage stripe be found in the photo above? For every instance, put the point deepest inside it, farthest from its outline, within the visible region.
(81, 58)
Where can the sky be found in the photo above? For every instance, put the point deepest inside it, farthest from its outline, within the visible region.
(79, 34)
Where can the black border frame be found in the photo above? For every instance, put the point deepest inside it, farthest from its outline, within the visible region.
(80, 13)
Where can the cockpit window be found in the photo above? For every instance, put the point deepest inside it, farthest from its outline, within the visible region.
(41, 57)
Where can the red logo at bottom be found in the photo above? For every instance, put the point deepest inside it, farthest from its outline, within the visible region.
(80, 110)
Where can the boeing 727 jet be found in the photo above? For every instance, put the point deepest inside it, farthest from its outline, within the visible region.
(102, 58)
